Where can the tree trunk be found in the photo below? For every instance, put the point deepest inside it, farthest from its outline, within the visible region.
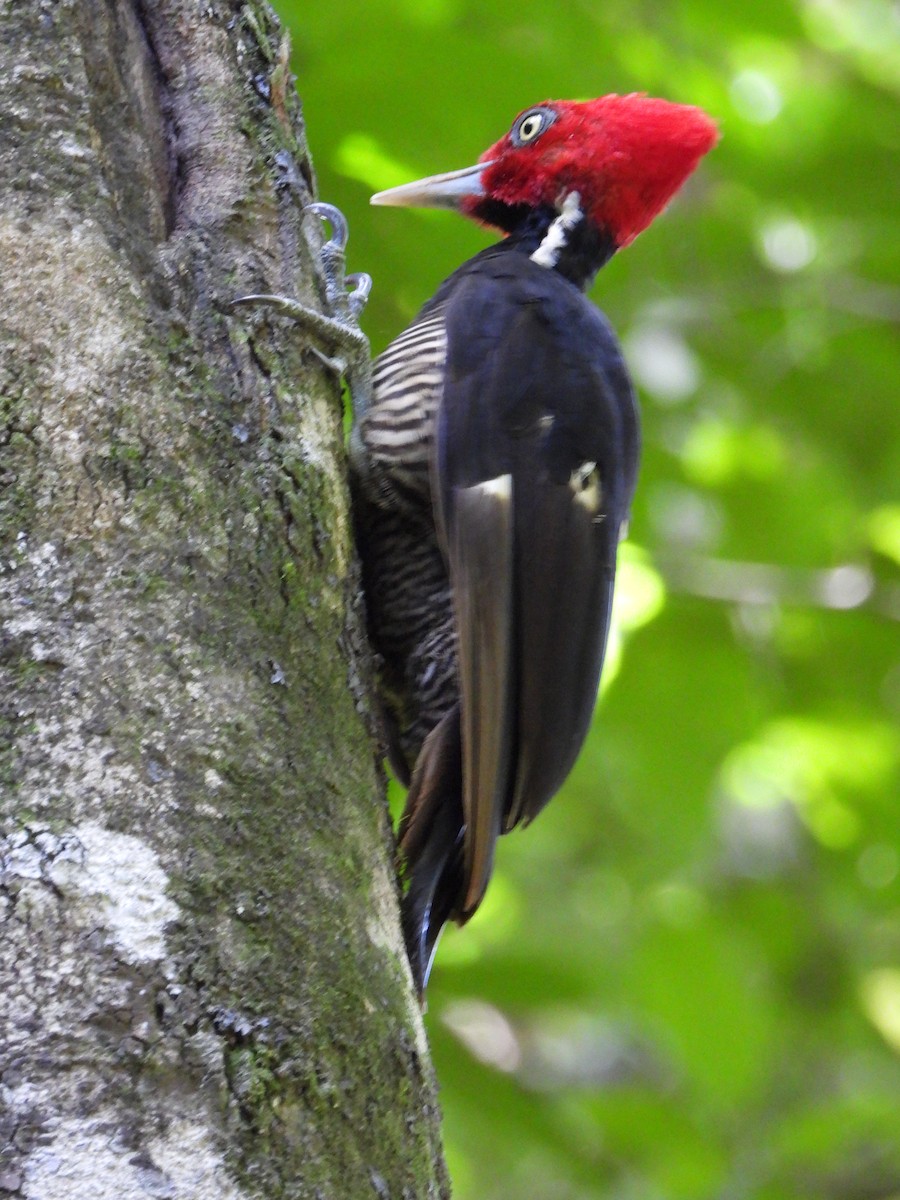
(203, 988)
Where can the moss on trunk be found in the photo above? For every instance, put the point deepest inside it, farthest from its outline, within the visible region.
(207, 985)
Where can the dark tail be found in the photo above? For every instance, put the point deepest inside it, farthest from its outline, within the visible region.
(430, 841)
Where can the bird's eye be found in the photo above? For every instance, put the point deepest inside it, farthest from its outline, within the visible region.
(530, 127)
(531, 124)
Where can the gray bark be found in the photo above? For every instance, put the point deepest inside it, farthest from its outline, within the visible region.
(203, 990)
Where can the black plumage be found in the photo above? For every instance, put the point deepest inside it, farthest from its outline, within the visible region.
(493, 475)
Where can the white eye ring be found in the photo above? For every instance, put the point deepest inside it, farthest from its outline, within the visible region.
(531, 125)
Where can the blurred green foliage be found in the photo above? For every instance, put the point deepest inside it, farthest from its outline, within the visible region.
(685, 981)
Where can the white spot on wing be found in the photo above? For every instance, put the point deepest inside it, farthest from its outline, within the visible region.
(585, 484)
(499, 488)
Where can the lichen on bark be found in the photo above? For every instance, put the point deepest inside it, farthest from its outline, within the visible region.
(205, 990)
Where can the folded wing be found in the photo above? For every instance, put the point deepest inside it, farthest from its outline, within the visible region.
(534, 464)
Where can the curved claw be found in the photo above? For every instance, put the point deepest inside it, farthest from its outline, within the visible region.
(283, 303)
(362, 288)
(335, 218)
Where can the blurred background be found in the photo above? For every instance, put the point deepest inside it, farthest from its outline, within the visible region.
(685, 980)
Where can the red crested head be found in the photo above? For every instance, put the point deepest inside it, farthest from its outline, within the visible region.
(626, 156)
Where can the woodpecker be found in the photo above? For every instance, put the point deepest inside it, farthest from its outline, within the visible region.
(493, 472)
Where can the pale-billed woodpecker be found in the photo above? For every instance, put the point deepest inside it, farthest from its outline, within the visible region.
(493, 474)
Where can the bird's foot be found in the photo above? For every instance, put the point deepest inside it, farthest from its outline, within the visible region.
(346, 305)
(344, 348)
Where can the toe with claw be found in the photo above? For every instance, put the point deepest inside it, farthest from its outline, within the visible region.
(345, 346)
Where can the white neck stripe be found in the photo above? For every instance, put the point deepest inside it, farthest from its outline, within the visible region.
(556, 237)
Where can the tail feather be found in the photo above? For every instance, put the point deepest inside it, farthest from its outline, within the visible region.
(431, 845)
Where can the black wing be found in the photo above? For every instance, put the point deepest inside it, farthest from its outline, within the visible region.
(534, 466)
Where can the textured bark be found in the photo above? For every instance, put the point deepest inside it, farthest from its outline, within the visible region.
(203, 990)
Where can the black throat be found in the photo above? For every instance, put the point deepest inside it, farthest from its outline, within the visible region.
(584, 248)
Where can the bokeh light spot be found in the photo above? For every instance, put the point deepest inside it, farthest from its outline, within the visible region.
(756, 96)
(662, 363)
(880, 995)
(788, 245)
